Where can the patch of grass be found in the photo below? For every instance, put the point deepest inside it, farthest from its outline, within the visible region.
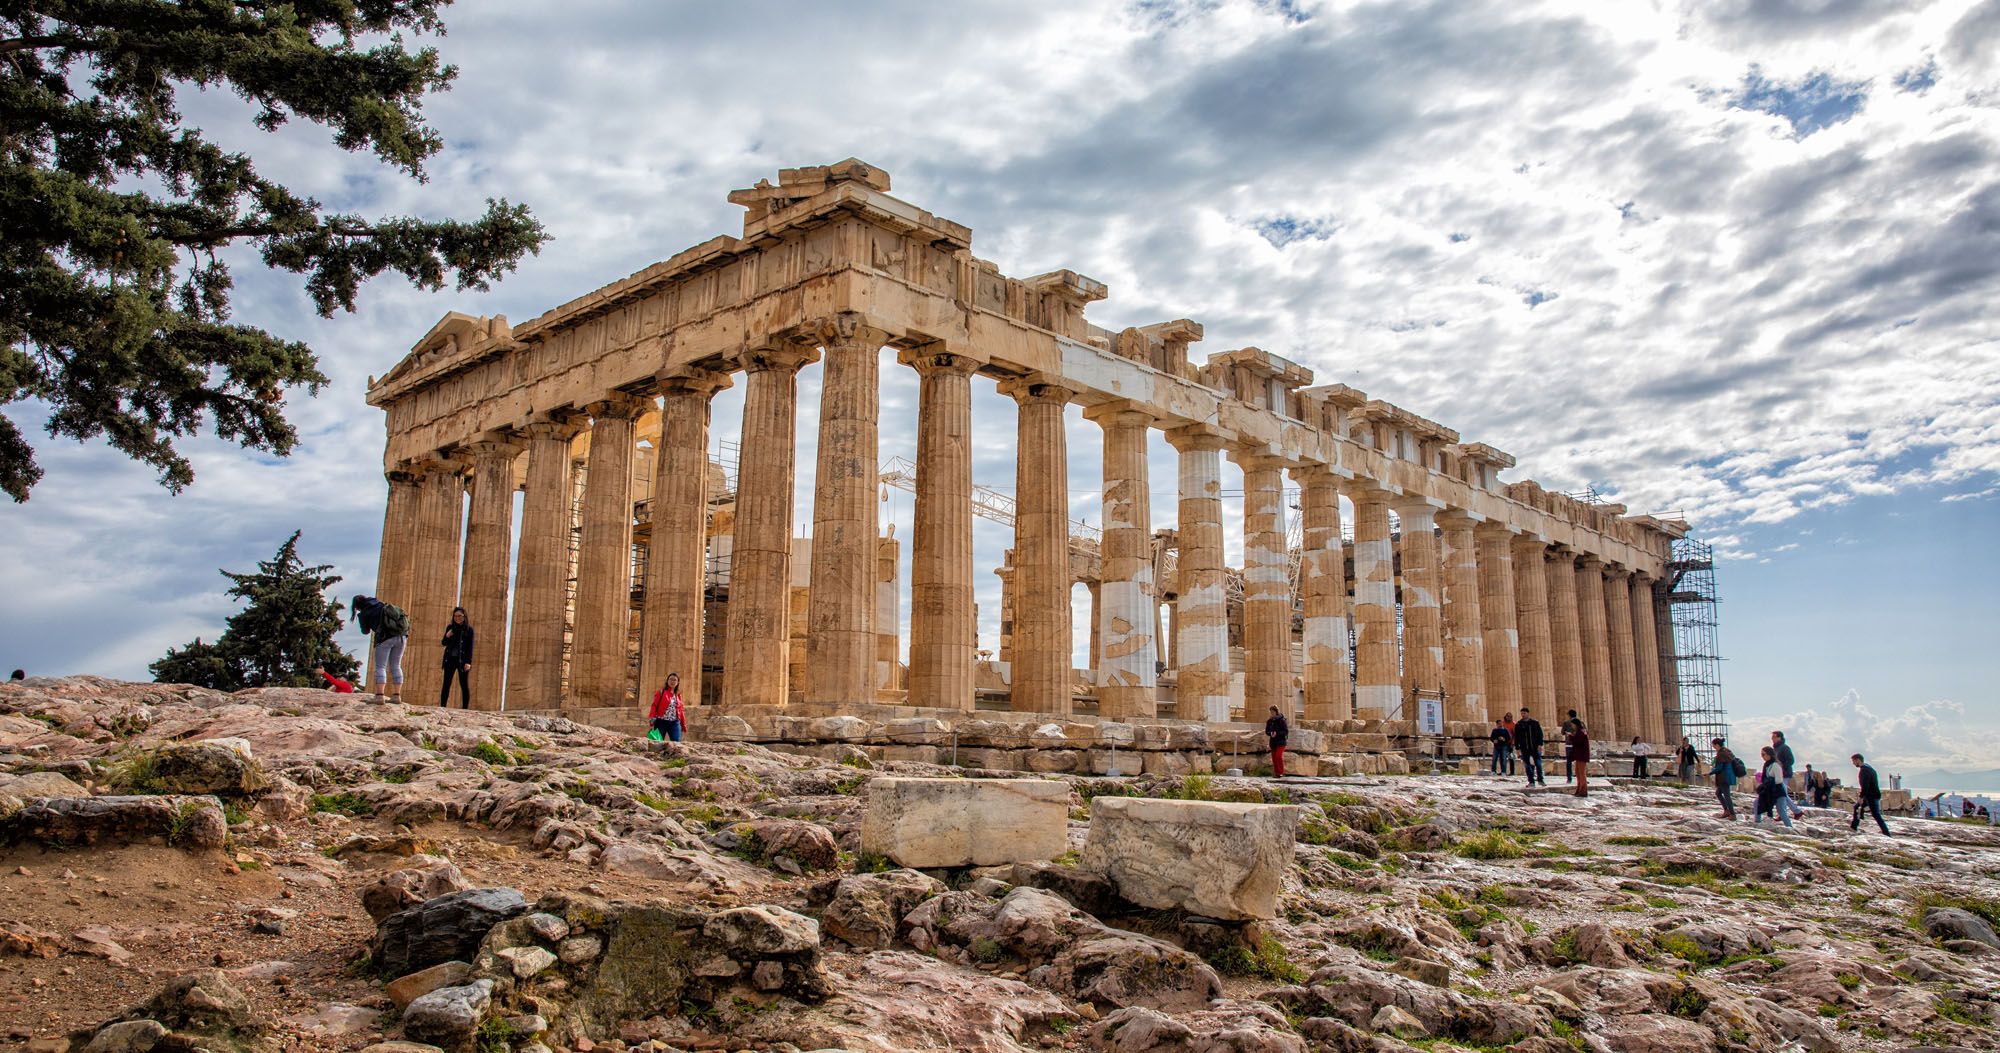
(495, 1035)
(1067, 859)
(854, 760)
(523, 744)
(850, 784)
(1850, 981)
(1347, 860)
(491, 752)
(1196, 787)
(1491, 844)
(1564, 946)
(674, 762)
(234, 813)
(1956, 1011)
(870, 863)
(986, 950)
(1989, 909)
(1314, 830)
(398, 776)
(1683, 947)
(342, 803)
(705, 814)
(135, 774)
(1687, 1003)
(1342, 799)
(1638, 841)
(581, 789)
(1266, 959)
(180, 825)
(655, 801)
(1662, 902)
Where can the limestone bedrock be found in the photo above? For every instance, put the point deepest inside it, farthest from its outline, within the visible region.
(928, 823)
(1215, 859)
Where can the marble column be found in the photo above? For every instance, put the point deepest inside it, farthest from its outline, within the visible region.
(1464, 642)
(433, 577)
(1267, 589)
(1566, 634)
(482, 588)
(1598, 712)
(394, 566)
(1042, 618)
(1646, 664)
(599, 674)
(840, 608)
(535, 645)
(1378, 682)
(1624, 673)
(1201, 614)
(887, 619)
(677, 556)
(1127, 603)
(1423, 628)
(1094, 640)
(943, 632)
(1500, 638)
(1329, 682)
(1537, 640)
(756, 664)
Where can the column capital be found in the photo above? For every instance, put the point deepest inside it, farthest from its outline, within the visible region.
(1617, 570)
(494, 447)
(1037, 387)
(1312, 475)
(1640, 577)
(619, 406)
(779, 355)
(549, 426)
(1362, 488)
(1196, 438)
(936, 359)
(1590, 559)
(1418, 505)
(846, 329)
(1496, 526)
(1256, 458)
(691, 380)
(437, 464)
(401, 474)
(1111, 414)
(1528, 544)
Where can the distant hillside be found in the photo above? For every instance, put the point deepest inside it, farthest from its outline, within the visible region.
(1987, 781)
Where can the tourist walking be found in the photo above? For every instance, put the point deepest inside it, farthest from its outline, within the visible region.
(1685, 760)
(668, 715)
(1579, 751)
(457, 659)
(1783, 754)
(1507, 721)
(1640, 751)
(1503, 744)
(389, 628)
(1528, 740)
(1725, 770)
(1771, 795)
(1819, 788)
(1277, 730)
(1569, 727)
(1871, 796)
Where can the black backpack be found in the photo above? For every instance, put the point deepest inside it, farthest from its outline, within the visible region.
(1736, 766)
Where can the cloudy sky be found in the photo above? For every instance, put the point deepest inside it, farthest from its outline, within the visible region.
(1736, 259)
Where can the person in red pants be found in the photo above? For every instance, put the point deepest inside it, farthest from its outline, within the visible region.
(1277, 729)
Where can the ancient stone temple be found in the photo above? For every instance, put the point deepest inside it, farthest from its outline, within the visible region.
(638, 553)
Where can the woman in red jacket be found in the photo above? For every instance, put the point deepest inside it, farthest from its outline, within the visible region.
(668, 715)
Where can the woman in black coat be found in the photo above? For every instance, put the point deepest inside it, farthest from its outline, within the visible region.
(457, 659)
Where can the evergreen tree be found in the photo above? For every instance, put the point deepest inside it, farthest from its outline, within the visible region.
(287, 628)
(114, 305)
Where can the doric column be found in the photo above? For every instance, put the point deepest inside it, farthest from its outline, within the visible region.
(482, 588)
(1329, 683)
(1378, 683)
(1565, 633)
(433, 577)
(1537, 639)
(1005, 650)
(1201, 614)
(393, 567)
(1500, 636)
(1267, 588)
(840, 606)
(1599, 711)
(1464, 645)
(1042, 619)
(1646, 663)
(535, 644)
(1127, 682)
(1423, 628)
(887, 618)
(1618, 633)
(1094, 639)
(943, 633)
(598, 670)
(756, 663)
(677, 556)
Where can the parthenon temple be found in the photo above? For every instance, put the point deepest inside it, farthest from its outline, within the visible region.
(639, 552)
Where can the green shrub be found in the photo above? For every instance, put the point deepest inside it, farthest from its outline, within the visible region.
(1956, 1011)
(180, 825)
(1491, 844)
(1195, 787)
(490, 752)
(342, 803)
(1687, 1003)
(1266, 959)
(986, 950)
(1639, 841)
(1683, 947)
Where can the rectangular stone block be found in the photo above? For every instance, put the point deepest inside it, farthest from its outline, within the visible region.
(1213, 859)
(921, 754)
(1306, 764)
(1058, 761)
(994, 734)
(926, 823)
(995, 759)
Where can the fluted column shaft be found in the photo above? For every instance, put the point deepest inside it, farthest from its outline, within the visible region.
(1423, 626)
(393, 567)
(840, 606)
(677, 555)
(1565, 633)
(1042, 618)
(433, 577)
(757, 652)
(534, 646)
(1624, 672)
(1126, 677)
(1537, 638)
(1201, 614)
(1267, 589)
(1378, 683)
(1499, 625)
(598, 671)
(1329, 682)
(1600, 712)
(1464, 645)
(943, 633)
(482, 588)
(1646, 663)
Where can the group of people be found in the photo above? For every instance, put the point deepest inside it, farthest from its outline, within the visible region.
(388, 627)
(1773, 777)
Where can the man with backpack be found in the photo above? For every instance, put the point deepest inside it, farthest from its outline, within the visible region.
(1528, 742)
(1871, 797)
(1726, 770)
(389, 627)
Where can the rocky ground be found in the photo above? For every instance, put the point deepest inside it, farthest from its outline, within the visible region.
(336, 873)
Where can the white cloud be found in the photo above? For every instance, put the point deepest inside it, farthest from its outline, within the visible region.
(1934, 734)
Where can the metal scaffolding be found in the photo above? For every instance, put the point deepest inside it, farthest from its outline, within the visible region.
(1691, 665)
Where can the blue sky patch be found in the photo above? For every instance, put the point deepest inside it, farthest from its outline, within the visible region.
(1813, 104)
(1281, 231)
